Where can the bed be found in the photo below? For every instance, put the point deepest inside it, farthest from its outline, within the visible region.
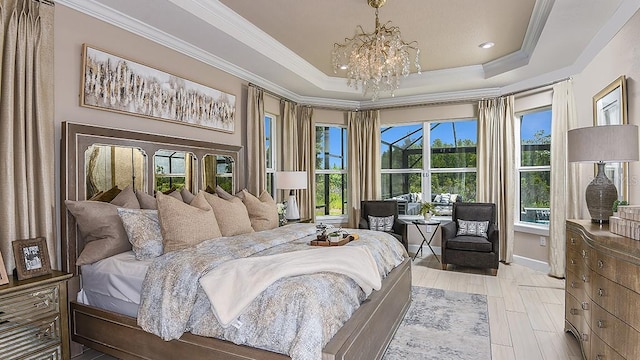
(114, 330)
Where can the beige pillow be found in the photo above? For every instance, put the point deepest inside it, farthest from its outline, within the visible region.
(126, 199)
(263, 212)
(232, 215)
(101, 229)
(187, 196)
(223, 193)
(185, 225)
(175, 193)
(146, 201)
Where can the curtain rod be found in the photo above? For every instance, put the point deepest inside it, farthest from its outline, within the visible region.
(46, 2)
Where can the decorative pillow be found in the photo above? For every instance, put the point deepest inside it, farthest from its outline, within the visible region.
(232, 215)
(146, 201)
(185, 225)
(445, 198)
(381, 223)
(106, 196)
(472, 228)
(187, 196)
(175, 194)
(126, 199)
(143, 229)
(101, 229)
(263, 212)
(224, 194)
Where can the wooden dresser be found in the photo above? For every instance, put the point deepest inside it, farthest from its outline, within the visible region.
(33, 318)
(602, 297)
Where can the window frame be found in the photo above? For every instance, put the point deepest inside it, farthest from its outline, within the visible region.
(344, 171)
(271, 171)
(519, 225)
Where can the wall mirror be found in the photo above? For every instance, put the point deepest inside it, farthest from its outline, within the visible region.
(108, 166)
(218, 171)
(610, 108)
(174, 170)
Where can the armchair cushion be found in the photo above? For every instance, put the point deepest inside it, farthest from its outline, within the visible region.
(381, 223)
(472, 228)
(470, 243)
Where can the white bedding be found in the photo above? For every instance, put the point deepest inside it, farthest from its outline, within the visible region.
(114, 283)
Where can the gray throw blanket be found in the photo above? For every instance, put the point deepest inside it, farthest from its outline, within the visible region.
(296, 315)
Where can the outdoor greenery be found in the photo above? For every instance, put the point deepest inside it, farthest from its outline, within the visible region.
(535, 185)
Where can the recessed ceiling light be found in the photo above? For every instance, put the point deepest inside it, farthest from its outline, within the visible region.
(486, 45)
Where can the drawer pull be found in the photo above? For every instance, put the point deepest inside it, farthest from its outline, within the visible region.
(600, 324)
(585, 278)
(584, 305)
(42, 304)
(573, 262)
(574, 284)
(600, 264)
(573, 241)
(584, 254)
(600, 292)
(573, 311)
(44, 334)
(585, 337)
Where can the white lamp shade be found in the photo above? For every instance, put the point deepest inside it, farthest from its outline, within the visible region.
(608, 143)
(289, 180)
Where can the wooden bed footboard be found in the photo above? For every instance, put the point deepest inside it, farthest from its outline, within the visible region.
(365, 335)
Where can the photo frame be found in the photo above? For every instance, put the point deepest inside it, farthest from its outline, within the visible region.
(4, 278)
(610, 108)
(112, 83)
(32, 257)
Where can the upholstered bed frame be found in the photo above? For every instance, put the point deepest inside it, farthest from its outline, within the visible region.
(364, 336)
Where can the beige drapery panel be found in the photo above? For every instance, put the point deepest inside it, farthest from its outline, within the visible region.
(564, 176)
(298, 151)
(496, 166)
(363, 131)
(26, 127)
(256, 147)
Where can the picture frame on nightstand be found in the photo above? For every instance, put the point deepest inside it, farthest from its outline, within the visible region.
(4, 278)
(32, 257)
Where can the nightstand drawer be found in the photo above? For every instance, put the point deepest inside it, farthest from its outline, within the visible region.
(36, 336)
(24, 305)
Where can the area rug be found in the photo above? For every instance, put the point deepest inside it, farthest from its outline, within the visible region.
(443, 325)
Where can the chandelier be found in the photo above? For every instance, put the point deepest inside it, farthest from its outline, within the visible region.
(375, 61)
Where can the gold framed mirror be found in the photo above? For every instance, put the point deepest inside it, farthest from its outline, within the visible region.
(174, 170)
(610, 108)
(219, 171)
(114, 166)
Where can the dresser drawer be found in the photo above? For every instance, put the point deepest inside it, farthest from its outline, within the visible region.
(33, 337)
(575, 285)
(615, 333)
(620, 271)
(601, 351)
(618, 300)
(577, 316)
(21, 306)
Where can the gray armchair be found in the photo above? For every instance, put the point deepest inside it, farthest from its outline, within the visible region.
(470, 250)
(381, 208)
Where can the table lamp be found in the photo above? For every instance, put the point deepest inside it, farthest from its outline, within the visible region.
(601, 144)
(291, 180)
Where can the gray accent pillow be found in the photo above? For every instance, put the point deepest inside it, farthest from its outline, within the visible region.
(263, 212)
(143, 229)
(126, 198)
(472, 228)
(381, 223)
(101, 230)
(146, 201)
(187, 196)
(232, 215)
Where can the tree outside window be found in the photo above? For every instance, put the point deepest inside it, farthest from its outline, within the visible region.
(331, 171)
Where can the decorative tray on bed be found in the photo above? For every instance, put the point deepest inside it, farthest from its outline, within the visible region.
(344, 240)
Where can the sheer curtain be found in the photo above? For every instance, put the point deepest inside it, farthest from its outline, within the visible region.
(26, 127)
(256, 147)
(496, 172)
(364, 164)
(564, 177)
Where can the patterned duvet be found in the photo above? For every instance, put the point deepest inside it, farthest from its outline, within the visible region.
(295, 316)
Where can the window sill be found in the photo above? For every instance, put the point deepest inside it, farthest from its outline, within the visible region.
(344, 219)
(531, 229)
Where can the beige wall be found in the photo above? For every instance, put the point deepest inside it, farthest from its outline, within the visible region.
(72, 29)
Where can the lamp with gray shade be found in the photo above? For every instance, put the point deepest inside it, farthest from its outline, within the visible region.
(601, 144)
(291, 180)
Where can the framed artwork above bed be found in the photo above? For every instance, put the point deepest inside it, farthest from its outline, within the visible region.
(113, 83)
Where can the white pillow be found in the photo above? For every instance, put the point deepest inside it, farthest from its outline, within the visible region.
(143, 229)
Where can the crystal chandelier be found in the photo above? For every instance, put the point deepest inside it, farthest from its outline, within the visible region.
(376, 61)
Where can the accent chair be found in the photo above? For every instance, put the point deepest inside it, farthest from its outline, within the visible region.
(378, 210)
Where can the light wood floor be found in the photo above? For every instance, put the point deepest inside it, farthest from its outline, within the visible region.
(526, 309)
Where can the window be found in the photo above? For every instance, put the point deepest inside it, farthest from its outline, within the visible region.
(331, 171)
(534, 167)
(171, 170)
(269, 134)
(450, 166)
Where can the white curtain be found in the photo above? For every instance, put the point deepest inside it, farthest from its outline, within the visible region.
(364, 163)
(26, 127)
(496, 166)
(307, 162)
(564, 176)
(256, 147)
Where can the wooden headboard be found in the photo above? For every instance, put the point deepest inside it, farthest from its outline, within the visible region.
(76, 138)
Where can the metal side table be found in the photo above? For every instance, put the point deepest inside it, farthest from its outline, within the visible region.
(417, 223)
